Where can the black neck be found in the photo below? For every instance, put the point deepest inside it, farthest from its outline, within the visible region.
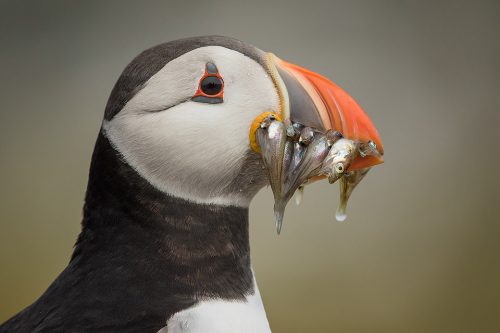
(201, 249)
(141, 257)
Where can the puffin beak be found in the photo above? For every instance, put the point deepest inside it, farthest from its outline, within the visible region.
(320, 131)
(314, 101)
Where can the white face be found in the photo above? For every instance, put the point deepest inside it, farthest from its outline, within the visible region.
(190, 149)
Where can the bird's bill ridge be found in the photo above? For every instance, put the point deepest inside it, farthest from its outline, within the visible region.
(313, 100)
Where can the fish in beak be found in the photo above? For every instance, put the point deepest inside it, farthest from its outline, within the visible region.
(319, 132)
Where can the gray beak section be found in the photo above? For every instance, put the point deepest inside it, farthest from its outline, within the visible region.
(302, 108)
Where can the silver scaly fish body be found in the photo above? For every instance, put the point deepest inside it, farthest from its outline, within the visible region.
(271, 138)
(347, 184)
(339, 158)
(294, 154)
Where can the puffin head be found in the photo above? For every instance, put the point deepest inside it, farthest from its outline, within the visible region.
(185, 116)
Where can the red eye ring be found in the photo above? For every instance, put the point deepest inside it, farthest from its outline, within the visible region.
(211, 86)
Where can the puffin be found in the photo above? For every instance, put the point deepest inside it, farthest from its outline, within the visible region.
(164, 242)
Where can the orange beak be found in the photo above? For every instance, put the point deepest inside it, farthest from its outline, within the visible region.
(313, 100)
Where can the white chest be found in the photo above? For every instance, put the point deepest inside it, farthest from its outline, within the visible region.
(221, 316)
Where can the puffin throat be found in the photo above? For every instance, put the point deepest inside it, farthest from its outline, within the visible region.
(177, 247)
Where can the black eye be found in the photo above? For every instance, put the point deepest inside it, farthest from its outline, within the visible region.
(211, 85)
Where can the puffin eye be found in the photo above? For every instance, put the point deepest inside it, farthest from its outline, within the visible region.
(211, 86)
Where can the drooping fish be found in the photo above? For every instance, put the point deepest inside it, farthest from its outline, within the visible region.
(347, 184)
(339, 159)
(294, 154)
(309, 166)
(336, 167)
(271, 137)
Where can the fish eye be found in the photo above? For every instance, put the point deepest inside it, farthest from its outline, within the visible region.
(339, 168)
(211, 86)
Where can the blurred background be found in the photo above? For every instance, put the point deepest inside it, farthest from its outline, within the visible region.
(420, 250)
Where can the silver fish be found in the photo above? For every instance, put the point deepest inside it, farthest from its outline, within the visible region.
(297, 156)
(287, 157)
(339, 158)
(333, 136)
(306, 136)
(309, 166)
(347, 184)
(293, 154)
(271, 138)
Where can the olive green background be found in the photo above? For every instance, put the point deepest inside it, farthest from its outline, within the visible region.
(420, 251)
